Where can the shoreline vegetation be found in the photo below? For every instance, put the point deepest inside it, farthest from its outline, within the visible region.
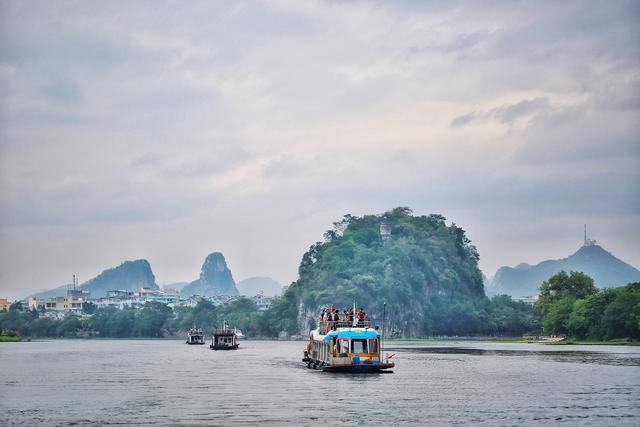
(516, 340)
(571, 341)
(7, 338)
(391, 341)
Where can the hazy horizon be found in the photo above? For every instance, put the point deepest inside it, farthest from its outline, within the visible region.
(167, 131)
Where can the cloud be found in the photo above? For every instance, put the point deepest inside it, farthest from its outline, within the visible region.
(167, 132)
(507, 113)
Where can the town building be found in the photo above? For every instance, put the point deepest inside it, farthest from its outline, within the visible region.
(118, 299)
(221, 299)
(121, 299)
(529, 299)
(70, 303)
(262, 302)
(165, 296)
(4, 304)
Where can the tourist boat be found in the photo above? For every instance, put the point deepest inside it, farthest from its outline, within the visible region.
(224, 339)
(239, 334)
(342, 346)
(195, 336)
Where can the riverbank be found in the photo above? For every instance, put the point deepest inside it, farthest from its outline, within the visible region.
(516, 340)
(9, 338)
(571, 341)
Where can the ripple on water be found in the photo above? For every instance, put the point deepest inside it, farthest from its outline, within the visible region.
(167, 382)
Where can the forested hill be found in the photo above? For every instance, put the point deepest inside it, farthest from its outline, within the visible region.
(426, 272)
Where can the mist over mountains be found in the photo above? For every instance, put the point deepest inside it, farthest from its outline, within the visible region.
(255, 285)
(602, 266)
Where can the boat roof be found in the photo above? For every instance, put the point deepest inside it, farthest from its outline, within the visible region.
(346, 333)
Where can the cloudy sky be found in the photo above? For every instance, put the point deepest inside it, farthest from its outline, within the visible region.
(168, 130)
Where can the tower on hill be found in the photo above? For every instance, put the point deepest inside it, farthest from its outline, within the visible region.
(587, 241)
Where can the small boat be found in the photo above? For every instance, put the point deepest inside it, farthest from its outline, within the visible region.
(195, 336)
(239, 334)
(346, 346)
(224, 339)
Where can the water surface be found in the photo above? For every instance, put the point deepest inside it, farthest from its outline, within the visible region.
(167, 382)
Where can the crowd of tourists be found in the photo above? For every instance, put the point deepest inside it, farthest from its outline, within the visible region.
(331, 316)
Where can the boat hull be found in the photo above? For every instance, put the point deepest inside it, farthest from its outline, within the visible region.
(195, 343)
(358, 368)
(224, 347)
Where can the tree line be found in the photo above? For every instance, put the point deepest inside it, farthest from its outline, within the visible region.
(501, 316)
(153, 320)
(571, 305)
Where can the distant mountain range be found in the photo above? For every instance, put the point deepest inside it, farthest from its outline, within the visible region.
(255, 285)
(604, 268)
(215, 279)
(128, 276)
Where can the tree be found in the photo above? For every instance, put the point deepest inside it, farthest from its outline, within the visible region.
(89, 308)
(152, 319)
(510, 317)
(586, 318)
(16, 306)
(556, 321)
(622, 317)
(577, 321)
(575, 285)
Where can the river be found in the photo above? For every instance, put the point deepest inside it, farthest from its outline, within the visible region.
(264, 382)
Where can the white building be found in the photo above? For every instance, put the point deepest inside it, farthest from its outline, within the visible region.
(529, 299)
(121, 299)
(262, 302)
(165, 296)
(70, 303)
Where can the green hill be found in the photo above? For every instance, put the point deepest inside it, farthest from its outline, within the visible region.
(426, 272)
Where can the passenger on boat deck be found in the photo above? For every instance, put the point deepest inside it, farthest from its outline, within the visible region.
(336, 316)
(362, 316)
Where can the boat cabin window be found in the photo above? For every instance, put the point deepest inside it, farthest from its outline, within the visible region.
(342, 346)
(373, 346)
(359, 346)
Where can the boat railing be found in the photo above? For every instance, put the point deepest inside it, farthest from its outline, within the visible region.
(331, 325)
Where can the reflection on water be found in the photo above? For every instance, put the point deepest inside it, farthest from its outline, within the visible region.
(168, 382)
